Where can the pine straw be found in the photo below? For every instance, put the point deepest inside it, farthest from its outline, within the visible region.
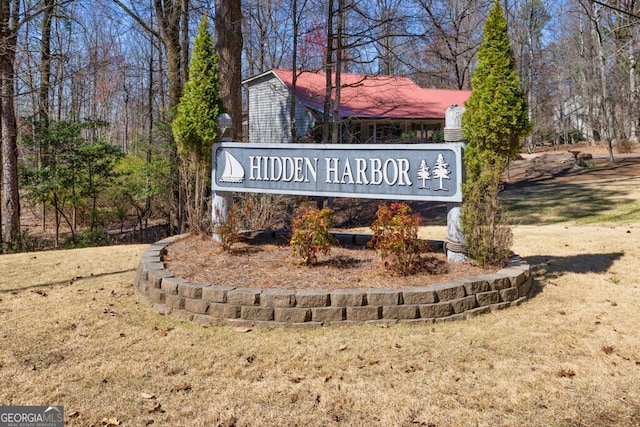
(73, 333)
(272, 266)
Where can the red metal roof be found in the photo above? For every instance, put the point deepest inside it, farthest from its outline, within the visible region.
(366, 96)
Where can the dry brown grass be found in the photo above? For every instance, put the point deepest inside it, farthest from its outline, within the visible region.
(73, 333)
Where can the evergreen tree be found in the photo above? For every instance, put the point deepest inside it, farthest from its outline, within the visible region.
(494, 123)
(496, 117)
(195, 128)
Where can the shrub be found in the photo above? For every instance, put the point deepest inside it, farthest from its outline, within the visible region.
(626, 146)
(23, 242)
(310, 234)
(395, 238)
(484, 219)
(229, 230)
(260, 211)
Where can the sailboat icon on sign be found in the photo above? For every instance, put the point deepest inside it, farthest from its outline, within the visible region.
(233, 170)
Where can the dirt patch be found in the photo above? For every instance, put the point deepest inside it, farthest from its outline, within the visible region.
(269, 266)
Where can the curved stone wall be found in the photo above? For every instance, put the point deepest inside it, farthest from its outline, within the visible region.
(216, 303)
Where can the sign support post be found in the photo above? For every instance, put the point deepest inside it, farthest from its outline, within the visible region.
(454, 246)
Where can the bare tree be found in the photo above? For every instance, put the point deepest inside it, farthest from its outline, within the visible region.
(453, 32)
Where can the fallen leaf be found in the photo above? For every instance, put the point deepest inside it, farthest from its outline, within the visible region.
(156, 408)
(607, 349)
(164, 331)
(73, 414)
(109, 422)
(566, 373)
(231, 422)
(147, 395)
(343, 347)
(373, 362)
(242, 330)
(182, 387)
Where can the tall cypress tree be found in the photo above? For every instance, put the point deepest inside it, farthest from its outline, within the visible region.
(494, 123)
(195, 127)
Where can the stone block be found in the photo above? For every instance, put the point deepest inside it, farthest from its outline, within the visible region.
(518, 301)
(170, 284)
(223, 311)
(382, 297)
(244, 296)
(174, 301)
(141, 274)
(488, 298)
(498, 282)
(276, 298)
(348, 298)
(517, 275)
(453, 317)
(141, 287)
(473, 285)
(156, 295)
(155, 277)
(419, 321)
(477, 311)
(449, 291)
(292, 315)
(400, 312)
(190, 290)
(256, 313)
(418, 295)
(328, 314)
(240, 323)
(362, 314)
(309, 298)
(463, 304)
(195, 305)
(205, 319)
(441, 309)
(216, 293)
(524, 287)
(500, 306)
(509, 294)
(182, 315)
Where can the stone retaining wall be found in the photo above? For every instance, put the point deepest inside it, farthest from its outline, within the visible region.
(216, 303)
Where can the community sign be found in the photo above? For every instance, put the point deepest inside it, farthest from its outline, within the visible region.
(430, 172)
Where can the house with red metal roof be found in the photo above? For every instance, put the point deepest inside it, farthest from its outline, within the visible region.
(373, 109)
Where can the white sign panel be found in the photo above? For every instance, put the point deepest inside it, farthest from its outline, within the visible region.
(431, 172)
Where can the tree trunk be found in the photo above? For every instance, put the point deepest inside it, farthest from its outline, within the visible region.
(8, 129)
(328, 65)
(335, 131)
(228, 29)
(43, 93)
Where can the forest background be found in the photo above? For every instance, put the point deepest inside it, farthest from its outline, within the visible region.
(88, 89)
